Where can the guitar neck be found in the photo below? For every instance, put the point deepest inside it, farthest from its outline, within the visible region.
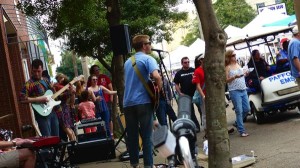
(56, 94)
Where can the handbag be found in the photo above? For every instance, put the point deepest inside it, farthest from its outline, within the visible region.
(197, 98)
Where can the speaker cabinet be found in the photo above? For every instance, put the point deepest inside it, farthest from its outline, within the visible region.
(120, 39)
(91, 151)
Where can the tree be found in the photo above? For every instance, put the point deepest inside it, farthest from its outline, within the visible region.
(86, 26)
(193, 34)
(289, 4)
(233, 12)
(66, 66)
(297, 10)
(215, 40)
(226, 11)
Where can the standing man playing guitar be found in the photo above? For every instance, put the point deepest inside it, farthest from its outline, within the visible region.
(33, 92)
(138, 108)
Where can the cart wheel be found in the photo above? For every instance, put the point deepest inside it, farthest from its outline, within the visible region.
(258, 116)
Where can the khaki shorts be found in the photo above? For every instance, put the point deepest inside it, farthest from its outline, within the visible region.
(9, 159)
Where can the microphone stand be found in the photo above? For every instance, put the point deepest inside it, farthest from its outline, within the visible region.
(164, 67)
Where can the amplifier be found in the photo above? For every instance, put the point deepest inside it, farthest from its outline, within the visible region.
(91, 151)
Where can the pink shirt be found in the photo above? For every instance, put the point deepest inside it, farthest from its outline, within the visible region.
(87, 109)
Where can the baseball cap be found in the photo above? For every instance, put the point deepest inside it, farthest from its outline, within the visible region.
(295, 30)
(283, 40)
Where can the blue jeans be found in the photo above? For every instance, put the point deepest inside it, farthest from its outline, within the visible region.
(161, 112)
(139, 117)
(242, 107)
(48, 125)
(105, 116)
(193, 116)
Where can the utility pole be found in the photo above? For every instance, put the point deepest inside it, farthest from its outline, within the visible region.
(297, 11)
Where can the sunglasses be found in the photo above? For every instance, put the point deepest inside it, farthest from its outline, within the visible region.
(148, 43)
(187, 62)
(95, 79)
(233, 55)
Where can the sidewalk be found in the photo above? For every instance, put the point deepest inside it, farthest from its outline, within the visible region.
(116, 163)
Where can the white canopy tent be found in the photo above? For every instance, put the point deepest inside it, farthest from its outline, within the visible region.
(198, 47)
(233, 32)
(265, 17)
(173, 60)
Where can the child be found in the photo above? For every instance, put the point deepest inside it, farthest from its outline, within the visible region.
(87, 110)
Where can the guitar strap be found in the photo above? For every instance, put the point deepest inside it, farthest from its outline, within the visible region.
(46, 86)
(141, 77)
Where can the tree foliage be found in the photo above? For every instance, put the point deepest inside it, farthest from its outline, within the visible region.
(66, 66)
(289, 4)
(193, 33)
(233, 12)
(85, 24)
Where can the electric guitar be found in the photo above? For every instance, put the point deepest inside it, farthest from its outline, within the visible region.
(44, 109)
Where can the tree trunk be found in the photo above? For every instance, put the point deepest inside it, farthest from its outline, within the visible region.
(297, 11)
(215, 41)
(113, 17)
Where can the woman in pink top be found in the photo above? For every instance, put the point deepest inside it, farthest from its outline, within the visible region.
(87, 110)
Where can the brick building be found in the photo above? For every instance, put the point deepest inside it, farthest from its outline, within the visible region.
(20, 43)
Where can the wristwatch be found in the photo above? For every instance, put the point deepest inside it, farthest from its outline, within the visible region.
(14, 143)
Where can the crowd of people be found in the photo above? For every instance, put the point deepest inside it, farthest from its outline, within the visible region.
(94, 98)
(77, 101)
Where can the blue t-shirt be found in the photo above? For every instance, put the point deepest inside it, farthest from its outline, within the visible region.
(283, 55)
(135, 92)
(294, 51)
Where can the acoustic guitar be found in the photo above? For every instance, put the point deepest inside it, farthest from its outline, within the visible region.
(155, 94)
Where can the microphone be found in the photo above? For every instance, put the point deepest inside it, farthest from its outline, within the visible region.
(158, 50)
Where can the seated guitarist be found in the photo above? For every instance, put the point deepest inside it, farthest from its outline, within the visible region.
(33, 92)
(138, 108)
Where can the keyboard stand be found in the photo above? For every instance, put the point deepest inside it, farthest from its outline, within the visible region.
(55, 155)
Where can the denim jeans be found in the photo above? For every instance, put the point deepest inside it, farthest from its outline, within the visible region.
(161, 112)
(105, 117)
(193, 116)
(139, 117)
(242, 107)
(48, 125)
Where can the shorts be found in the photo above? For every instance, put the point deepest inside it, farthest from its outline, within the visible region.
(9, 159)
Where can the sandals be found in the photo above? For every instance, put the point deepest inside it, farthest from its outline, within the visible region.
(244, 134)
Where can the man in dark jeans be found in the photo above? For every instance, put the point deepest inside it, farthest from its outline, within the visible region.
(184, 86)
(165, 107)
(33, 92)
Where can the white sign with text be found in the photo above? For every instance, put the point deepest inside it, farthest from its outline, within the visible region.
(278, 8)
